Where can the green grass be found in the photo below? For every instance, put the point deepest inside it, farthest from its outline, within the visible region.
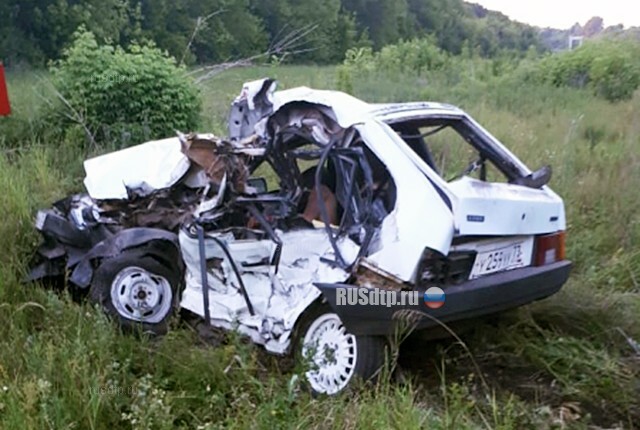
(559, 363)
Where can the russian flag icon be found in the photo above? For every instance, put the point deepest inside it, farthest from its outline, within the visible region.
(434, 298)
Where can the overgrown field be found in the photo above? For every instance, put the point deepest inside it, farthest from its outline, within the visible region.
(565, 362)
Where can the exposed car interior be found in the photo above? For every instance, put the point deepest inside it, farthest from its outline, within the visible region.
(340, 186)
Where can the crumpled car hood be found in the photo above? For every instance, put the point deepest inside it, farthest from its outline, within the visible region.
(144, 168)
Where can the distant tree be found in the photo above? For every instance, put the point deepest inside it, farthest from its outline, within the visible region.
(35, 30)
(444, 19)
(450, 22)
(386, 21)
(593, 27)
(211, 31)
(576, 30)
(614, 29)
(227, 28)
(335, 30)
(495, 33)
(16, 45)
(53, 22)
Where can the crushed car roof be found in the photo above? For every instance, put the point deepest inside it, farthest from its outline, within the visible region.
(347, 109)
(350, 110)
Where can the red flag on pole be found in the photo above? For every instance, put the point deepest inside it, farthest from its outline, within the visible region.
(5, 108)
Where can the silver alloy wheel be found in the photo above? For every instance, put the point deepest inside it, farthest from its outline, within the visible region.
(332, 352)
(142, 296)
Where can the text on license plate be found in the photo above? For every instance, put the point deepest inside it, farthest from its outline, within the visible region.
(503, 256)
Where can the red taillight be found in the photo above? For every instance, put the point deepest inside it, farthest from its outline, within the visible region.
(549, 249)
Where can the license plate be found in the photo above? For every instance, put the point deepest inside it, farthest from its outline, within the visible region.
(502, 256)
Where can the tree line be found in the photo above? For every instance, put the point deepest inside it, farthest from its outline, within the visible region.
(210, 31)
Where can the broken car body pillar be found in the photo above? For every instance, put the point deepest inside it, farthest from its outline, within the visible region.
(203, 273)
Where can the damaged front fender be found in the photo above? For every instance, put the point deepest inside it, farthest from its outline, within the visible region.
(159, 244)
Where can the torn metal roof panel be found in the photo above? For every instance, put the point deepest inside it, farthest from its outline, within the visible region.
(347, 109)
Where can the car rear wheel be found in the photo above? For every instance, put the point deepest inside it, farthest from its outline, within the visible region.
(336, 357)
(137, 291)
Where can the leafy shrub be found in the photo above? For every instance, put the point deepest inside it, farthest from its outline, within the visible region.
(611, 69)
(122, 96)
(360, 61)
(615, 77)
(415, 57)
(361, 58)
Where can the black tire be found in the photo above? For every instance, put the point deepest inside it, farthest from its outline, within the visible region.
(369, 358)
(102, 285)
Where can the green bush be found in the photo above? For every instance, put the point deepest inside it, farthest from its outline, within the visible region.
(611, 69)
(414, 57)
(417, 56)
(123, 97)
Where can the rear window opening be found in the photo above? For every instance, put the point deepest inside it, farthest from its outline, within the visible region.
(450, 148)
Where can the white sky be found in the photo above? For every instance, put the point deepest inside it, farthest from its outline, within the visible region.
(563, 14)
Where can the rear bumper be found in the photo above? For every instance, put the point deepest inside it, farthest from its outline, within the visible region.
(474, 298)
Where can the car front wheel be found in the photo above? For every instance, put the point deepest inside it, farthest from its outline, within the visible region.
(336, 357)
(137, 291)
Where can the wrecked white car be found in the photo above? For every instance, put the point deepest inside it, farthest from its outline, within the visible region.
(396, 197)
